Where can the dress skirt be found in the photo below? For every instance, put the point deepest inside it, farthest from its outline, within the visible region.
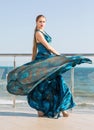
(42, 81)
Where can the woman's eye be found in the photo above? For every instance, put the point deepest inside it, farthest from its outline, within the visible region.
(42, 21)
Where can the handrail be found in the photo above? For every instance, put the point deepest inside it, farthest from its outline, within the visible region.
(15, 54)
(30, 54)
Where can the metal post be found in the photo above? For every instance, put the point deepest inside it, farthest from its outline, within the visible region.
(72, 81)
(14, 97)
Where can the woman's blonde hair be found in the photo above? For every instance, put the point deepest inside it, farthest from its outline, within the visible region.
(34, 39)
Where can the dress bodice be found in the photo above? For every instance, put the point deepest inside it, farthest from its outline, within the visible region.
(42, 50)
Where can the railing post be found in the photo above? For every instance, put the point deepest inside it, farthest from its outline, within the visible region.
(72, 81)
(14, 97)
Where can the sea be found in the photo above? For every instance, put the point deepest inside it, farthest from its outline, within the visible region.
(83, 90)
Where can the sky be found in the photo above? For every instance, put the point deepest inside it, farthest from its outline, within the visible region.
(70, 23)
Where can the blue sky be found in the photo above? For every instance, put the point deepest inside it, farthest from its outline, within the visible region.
(69, 22)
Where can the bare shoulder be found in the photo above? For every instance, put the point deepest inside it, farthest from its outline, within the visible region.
(39, 34)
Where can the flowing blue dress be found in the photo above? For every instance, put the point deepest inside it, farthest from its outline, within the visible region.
(42, 81)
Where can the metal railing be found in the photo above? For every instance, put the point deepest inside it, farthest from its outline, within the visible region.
(29, 55)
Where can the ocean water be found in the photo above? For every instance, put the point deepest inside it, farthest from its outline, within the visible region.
(83, 89)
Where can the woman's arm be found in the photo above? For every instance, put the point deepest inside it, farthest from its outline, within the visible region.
(40, 38)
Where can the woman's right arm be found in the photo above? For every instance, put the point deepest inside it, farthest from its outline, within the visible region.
(40, 38)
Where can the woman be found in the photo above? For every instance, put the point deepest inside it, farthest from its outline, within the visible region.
(41, 80)
(39, 38)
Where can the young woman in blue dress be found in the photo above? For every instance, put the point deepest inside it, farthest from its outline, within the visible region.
(40, 39)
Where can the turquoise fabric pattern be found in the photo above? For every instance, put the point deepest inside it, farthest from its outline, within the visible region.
(42, 81)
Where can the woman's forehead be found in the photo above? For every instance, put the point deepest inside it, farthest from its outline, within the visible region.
(41, 19)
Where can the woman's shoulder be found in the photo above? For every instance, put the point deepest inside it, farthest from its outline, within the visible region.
(46, 35)
(39, 31)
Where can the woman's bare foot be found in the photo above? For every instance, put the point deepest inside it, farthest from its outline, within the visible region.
(40, 114)
(65, 113)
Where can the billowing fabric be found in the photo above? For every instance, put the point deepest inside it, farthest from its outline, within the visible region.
(42, 81)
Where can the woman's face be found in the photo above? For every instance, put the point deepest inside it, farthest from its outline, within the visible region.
(41, 23)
